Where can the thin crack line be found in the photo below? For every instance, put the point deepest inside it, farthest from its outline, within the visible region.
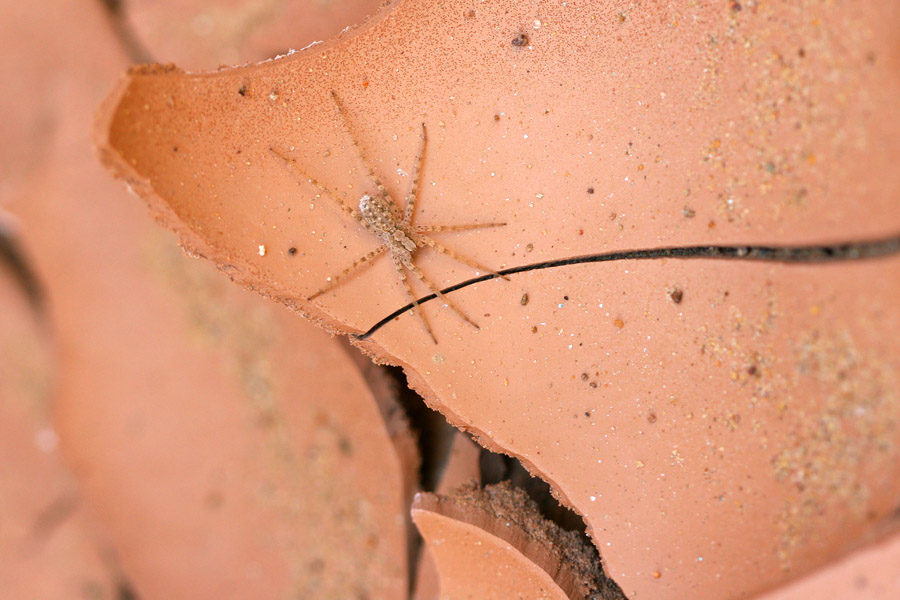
(779, 254)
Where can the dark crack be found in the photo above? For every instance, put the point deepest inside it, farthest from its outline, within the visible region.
(130, 41)
(13, 258)
(780, 254)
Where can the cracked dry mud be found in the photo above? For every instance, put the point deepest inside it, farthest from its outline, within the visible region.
(492, 543)
(461, 467)
(722, 427)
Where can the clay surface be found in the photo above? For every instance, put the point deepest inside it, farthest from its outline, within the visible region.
(475, 564)
(47, 547)
(721, 426)
(225, 448)
(870, 573)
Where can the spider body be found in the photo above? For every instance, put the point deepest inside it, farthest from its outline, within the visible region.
(381, 215)
(384, 220)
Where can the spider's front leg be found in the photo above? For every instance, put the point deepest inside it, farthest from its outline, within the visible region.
(398, 265)
(408, 263)
(291, 162)
(410, 209)
(358, 264)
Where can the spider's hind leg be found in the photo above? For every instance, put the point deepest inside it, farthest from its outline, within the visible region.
(422, 239)
(398, 264)
(437, 292)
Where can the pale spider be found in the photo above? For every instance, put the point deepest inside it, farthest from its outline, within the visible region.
(381, 215)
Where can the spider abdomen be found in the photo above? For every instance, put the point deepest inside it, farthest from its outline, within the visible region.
(383, 218)
(379, 213)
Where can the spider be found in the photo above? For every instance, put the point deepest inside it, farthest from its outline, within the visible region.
(401, 237)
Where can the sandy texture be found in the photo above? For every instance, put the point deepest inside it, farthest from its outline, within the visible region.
(870, 573)
(722, 427)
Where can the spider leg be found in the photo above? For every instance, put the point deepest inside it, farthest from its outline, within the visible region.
(357, 264)
(427, 241)
(437, 292)
(438, 228)
(356, 145)
(409, 210)
(293, 163)
(398, 264)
